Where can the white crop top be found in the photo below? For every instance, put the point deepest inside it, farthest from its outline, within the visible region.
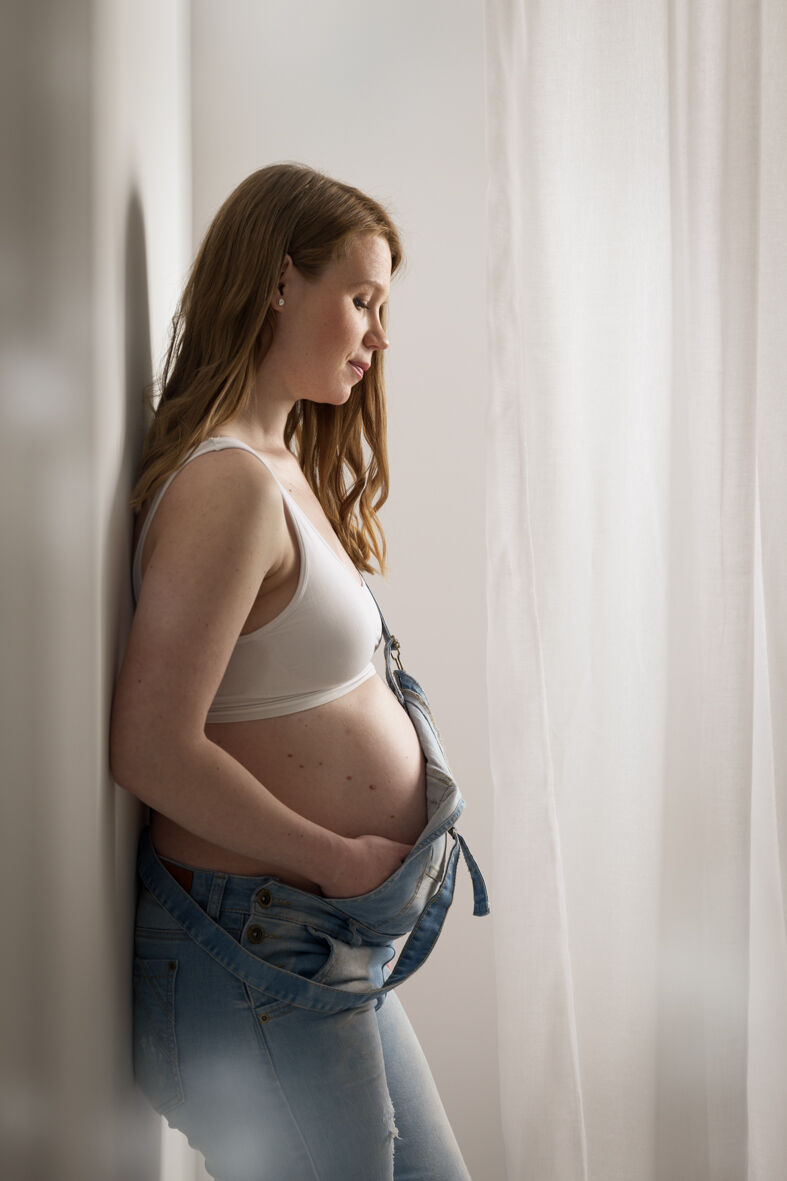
(318, 648)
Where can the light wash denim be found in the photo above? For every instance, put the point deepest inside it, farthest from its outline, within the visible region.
(266, 1027)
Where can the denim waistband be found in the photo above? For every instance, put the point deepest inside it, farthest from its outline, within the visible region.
(278, 982)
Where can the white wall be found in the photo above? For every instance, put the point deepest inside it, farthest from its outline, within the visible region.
(390, 98)
(94, 239)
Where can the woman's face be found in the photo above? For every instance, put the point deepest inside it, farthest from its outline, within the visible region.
(329, 328)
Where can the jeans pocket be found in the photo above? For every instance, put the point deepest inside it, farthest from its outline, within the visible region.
(289, 944)
(293, 946)
(156, 1067)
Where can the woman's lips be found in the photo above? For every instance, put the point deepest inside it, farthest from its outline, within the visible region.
(357, 368)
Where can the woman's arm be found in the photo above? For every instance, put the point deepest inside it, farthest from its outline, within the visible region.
(219, 529)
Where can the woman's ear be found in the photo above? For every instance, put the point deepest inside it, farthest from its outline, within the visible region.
(279, 295)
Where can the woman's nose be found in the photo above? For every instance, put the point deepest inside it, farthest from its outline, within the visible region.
(376, 338)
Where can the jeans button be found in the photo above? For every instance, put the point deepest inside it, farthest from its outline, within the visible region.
(255, 933)
(264, 897)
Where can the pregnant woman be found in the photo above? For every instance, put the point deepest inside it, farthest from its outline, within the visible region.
(303, 813)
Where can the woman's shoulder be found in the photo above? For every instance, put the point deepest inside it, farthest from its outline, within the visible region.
(217, 490)
(221, 467)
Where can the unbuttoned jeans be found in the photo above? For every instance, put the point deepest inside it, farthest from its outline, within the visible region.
(266, 1027)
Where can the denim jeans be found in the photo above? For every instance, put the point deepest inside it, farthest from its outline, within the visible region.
(266, 1025)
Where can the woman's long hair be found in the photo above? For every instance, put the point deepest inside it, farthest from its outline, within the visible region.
(223, 326)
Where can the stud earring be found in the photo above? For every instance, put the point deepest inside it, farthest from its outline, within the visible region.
(281, 303)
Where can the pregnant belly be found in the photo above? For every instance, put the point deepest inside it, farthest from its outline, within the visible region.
(353, 765)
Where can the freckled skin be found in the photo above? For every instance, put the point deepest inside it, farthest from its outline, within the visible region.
(390, 750)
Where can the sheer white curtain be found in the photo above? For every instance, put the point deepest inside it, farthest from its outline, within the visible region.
(637, 585)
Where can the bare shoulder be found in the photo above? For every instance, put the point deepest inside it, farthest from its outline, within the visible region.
(216, 497)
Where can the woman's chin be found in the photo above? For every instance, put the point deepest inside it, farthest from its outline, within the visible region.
(341, 397)
(336, 397)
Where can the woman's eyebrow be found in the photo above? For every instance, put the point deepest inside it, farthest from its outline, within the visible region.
(368, 283)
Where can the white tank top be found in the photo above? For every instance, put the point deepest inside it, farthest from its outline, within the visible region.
(318, 648)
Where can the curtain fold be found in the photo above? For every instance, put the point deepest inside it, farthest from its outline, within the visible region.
(637, 585)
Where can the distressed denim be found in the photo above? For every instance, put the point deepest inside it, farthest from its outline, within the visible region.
(266, 1024)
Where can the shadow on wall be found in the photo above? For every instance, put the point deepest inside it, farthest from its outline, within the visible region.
(137, 377)
(140, 1127)
(137, 324)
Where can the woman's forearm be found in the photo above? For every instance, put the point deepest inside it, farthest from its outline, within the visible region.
(208, 792)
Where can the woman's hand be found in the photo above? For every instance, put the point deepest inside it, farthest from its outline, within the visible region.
(366, 862)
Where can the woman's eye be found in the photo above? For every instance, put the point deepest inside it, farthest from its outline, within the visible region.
(359, 303)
